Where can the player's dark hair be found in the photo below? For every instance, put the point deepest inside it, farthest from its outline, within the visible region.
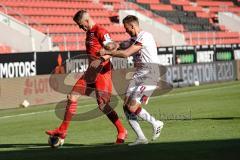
(78, 16)
(130, 19)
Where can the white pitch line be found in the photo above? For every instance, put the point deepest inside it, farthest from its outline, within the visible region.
(25, 114)
(168, 95)
(40, 112)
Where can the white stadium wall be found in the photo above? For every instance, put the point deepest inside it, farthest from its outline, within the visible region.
(230, 21)
(22, 37)
(22, 43)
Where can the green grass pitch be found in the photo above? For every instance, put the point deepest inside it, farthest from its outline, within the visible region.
(200, 123)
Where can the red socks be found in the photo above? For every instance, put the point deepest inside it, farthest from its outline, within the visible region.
(112, 116)
(71, 109)
(119, 126)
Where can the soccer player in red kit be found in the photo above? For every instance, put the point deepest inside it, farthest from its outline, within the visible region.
(100, 82)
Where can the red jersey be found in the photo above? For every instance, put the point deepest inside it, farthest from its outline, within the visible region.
(96, 38)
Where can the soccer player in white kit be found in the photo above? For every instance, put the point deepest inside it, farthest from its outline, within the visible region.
(144, 81)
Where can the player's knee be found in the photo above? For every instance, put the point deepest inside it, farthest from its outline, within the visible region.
(72, 97)
(132, 106)
(129, 108)
(132, 109)
(129, 113)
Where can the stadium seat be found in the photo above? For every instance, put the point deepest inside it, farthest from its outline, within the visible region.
(55, 18)
(196, 19)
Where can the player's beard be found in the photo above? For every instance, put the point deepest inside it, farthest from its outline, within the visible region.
(85, 29)
(132, 34)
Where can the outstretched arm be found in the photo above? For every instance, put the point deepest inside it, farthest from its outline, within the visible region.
(123, 53)
(111, 46)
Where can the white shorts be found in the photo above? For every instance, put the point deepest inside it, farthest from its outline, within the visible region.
(140, 90)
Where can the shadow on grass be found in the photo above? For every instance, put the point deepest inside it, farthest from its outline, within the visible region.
(196, 150)
(217, 118)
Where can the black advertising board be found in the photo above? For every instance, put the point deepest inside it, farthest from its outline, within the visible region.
(78, 62)
(165, 55)
(51, 62)
(17, 65)
(236, 51)
(223, 53)
(185, 54)
(205, 53)
(39, 63)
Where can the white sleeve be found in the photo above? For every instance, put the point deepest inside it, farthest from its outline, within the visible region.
(107, 39)
(143, 39)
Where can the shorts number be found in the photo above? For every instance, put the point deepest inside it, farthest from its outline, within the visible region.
(142, 88)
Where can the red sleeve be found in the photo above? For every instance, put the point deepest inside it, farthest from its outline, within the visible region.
(103, 36)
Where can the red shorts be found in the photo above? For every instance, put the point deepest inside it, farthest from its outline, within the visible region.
(102, 87)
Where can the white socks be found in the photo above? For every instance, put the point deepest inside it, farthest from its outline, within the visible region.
(146, 116)
(137, 129)
(132, 119)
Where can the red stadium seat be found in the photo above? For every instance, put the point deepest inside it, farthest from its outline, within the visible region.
(161, 7)
(148, 2)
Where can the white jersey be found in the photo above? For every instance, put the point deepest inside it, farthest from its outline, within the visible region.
(146, 59)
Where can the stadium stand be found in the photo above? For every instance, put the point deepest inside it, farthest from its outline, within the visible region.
(196, 19)
(57, 16)
(199, 19)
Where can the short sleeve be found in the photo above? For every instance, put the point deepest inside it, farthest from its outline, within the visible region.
(140, 40)
(103, 36)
